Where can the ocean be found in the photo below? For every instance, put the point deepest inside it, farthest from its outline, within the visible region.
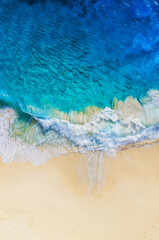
(77, 76)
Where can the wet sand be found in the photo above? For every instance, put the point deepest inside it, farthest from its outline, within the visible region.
(54, 201)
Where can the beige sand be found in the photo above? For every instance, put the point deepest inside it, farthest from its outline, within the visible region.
(53, 202)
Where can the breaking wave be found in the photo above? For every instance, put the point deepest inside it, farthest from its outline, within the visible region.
(37, 140)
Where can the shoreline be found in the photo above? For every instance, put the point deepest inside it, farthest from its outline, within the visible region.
(144, 143)
(127, 124)
(54, 201)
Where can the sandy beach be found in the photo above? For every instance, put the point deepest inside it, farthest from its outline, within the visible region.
(54, 201)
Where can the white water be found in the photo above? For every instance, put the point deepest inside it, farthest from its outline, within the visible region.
(129, 122)
(108, 130)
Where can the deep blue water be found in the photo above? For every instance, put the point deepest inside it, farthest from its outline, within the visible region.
(62, 64)
(73, 54)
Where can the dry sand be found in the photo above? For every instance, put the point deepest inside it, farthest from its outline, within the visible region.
(54, 202)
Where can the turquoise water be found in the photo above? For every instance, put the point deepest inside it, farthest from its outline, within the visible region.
(53, 57)
(70, 55)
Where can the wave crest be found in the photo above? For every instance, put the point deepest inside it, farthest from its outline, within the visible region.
(94, 129)
(128, 122)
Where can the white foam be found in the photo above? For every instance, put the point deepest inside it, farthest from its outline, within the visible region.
(14, 148)
(108, 130)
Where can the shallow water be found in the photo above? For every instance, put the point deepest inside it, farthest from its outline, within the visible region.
(64, 62)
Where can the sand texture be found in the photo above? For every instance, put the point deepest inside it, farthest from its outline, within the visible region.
(54, 201)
